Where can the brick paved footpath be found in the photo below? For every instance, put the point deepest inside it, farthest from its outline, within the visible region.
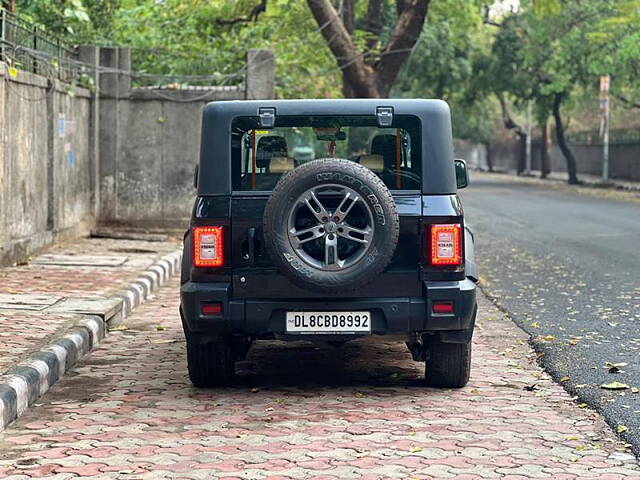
(23, 331)
(129, 412)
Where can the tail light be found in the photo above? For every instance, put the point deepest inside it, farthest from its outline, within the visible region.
(208, 246)
(446, 244)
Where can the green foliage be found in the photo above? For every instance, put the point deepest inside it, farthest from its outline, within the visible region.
(442, 66)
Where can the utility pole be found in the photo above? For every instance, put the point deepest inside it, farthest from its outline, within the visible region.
(605, 82)
(527, 169)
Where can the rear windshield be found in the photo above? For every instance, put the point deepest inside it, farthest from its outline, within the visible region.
(260, 157)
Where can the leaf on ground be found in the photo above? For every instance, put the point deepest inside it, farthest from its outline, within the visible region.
(582, 405)
(415, 449)
(634, 390)
(360, 395)
(615, 367)
(119, 328)
(622, 429)
(535, 325)
(548, 338)
(160, 328)
(564, 379)
(13, 72)
(614, 386)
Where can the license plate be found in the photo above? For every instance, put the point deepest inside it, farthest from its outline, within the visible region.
(328, 322)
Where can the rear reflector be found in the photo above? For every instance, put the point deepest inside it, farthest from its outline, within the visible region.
(442, 307)
(208, 246)
(211, 309)
(446, 245)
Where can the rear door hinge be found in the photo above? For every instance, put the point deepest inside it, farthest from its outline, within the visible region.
(267, 117)
(384, 116)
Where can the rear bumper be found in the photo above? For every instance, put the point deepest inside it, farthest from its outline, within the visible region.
(263, 317)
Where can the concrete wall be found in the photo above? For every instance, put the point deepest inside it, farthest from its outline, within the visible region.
(150, 141)
(624, 159)
(70, 158)
(45, 191)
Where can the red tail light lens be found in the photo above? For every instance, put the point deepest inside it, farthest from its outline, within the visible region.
(211, 308)
(208, 248)
(442, 307)
(446, 244)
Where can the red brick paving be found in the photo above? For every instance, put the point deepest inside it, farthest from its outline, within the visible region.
(24, 331)
(300, 411)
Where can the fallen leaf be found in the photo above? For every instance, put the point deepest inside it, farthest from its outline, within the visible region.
(614, 386)
(13, 72)
(119, 328)
(160, 328)
(548, 338)
(360, 395)
(535, 325)
(622, 429)
(564, 379)
(415, 449)
(634, 390)
(582, 405)
(615, 367)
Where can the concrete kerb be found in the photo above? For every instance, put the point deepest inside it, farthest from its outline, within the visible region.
(142, 287)
(21, 386)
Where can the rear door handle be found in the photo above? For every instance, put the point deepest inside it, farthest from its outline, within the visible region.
(251, 238)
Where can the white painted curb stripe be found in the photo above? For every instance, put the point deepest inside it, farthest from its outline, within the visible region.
(95, 329)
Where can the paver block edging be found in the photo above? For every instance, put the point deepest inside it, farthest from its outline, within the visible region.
(21, 386)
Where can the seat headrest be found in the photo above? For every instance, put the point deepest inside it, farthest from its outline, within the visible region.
(269, 147)
(281, 164)
(374, 163)
(385, 145)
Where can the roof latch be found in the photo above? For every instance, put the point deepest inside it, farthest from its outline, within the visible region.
(267, 117)
(384, 116)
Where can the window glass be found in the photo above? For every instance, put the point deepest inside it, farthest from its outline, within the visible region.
(260, 157)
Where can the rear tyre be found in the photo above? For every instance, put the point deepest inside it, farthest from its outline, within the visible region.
(211, 363)
(449, 364)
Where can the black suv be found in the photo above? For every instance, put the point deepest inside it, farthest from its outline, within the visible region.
(328, 220)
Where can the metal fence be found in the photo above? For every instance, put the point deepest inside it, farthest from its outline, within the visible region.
(28, 47)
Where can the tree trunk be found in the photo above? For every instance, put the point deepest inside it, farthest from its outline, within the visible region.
(489, 157)
(545, 145)
(369, 74)
(510, 124)
(562, 141)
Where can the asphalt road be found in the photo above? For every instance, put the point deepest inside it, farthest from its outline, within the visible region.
(566, 267)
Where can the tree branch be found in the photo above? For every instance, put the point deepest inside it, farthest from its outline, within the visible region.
(487, 20)
(252, 17)
(626, 101)
(373, 23)
(507, 120)
(355, 72)
(403, 38)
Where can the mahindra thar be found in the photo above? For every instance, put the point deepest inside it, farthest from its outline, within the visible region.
(327, 221)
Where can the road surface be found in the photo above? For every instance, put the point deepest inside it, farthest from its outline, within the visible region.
(566, 267)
